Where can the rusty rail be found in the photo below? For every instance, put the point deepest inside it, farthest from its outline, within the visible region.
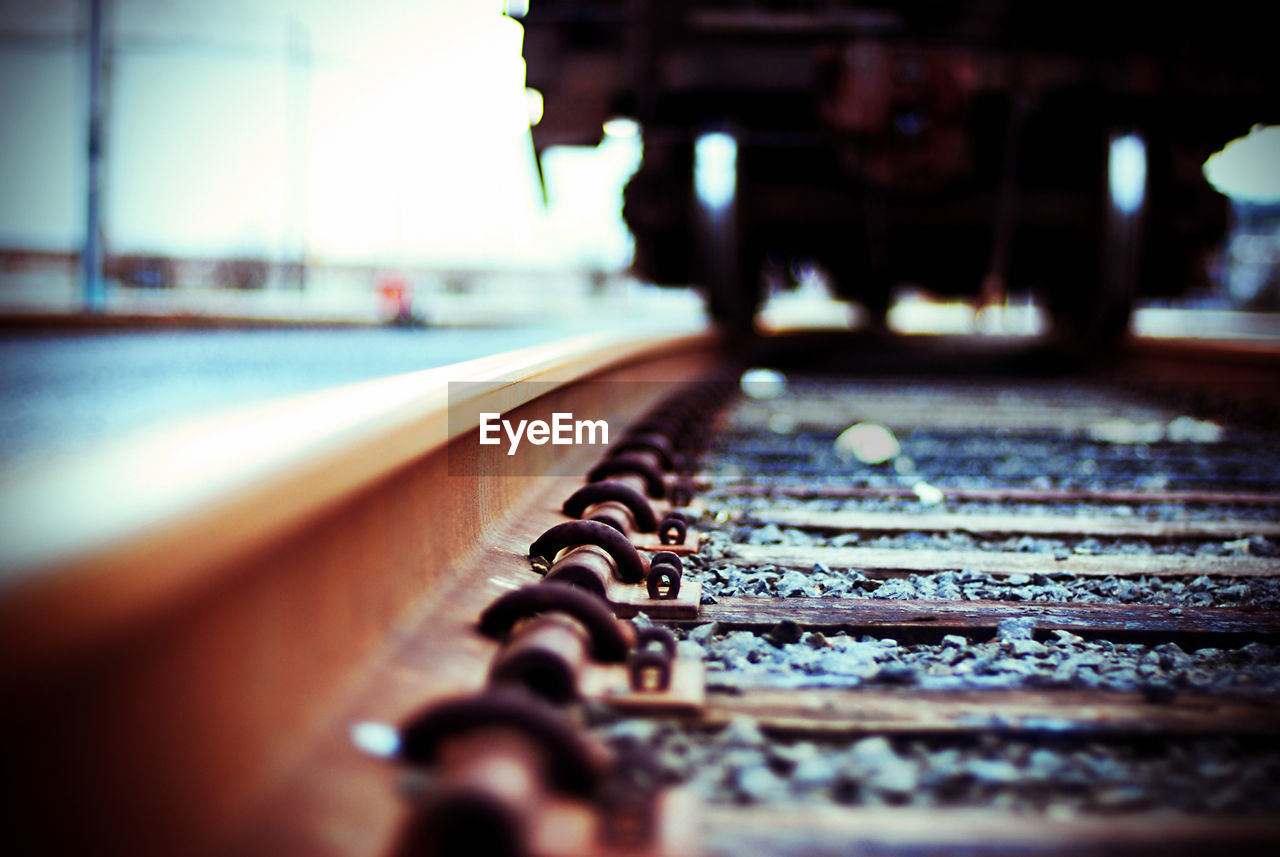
(187, 678)
(184, 614)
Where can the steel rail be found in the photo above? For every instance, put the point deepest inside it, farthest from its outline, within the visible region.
(182, 612)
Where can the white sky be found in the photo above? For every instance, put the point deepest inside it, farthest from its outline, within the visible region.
(402, 140)
(1248, 169)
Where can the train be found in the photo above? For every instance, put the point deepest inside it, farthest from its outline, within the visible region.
(970, 148)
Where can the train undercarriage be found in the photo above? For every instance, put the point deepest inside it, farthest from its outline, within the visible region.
(969, 149)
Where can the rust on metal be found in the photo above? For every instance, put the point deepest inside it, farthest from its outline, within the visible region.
(637, 462)
(650, 664)
(544, 655)
(655, 442)
(681, 491)
(630, 567)
(649, 669)
(573, 764)
(663, 582)
(684, 696)
(652, 635)
(593, 493)
(665, 573)
(649, 542)
(616, 515)
(356, 571)
(674, 528)
(343, 558)
(484, 797)
(628, 600)
(586, 566)
(610, 639)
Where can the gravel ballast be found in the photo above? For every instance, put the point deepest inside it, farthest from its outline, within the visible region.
(788, 656)
(1114, 445)
(724, 577)
(740, 764)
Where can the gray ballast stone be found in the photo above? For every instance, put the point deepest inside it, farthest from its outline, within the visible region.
(758, 784)
(1198, 775)
(728, 579)
(784, 633)
(702, 633)
(719, 541)
(1019, 628)
(742, 659)
(1023, 648)
(793, 584)
(742, 732)
(873, 764)
(691, 650)
(815, 773)
(993, 771)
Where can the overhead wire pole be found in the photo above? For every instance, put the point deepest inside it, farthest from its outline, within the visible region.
(91, 259)
(298, 95)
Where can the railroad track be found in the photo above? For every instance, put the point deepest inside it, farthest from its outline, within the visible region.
(1033, 616)
(994, 615)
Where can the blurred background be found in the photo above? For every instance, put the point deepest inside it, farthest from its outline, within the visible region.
(423, 182)
(282, 196)
(294, 158)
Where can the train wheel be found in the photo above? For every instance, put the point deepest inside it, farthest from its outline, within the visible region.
(734, 290)
(1095, 317)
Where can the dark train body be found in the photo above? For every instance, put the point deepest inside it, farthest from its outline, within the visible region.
(967, 147)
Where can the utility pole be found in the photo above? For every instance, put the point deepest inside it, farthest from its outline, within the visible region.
(297, 110)
(91, 258)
